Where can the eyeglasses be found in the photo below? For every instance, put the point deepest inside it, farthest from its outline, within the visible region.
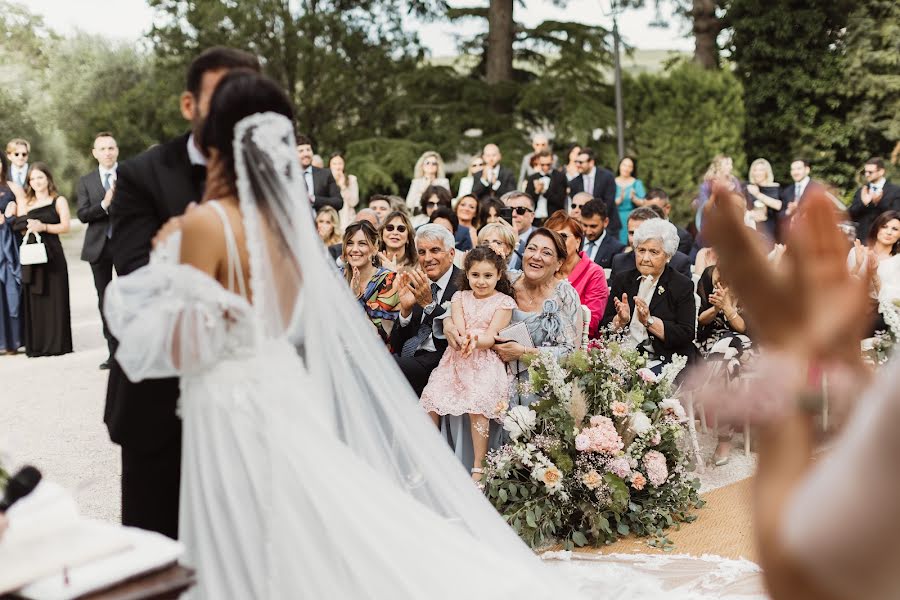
(20, 154)
(580, 162)
(477, 164)
(430, 163)
(521, 210)
(432, 204)
(399, 228)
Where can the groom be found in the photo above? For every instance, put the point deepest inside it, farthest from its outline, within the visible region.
(150, 189)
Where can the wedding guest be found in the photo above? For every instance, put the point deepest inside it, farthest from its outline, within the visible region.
(880, 256)
(875, 197)
(599, 183)
(428, 172)
(472, 380)
(720, 170)
(599, 246)
(398, 203)
(494, 180)
(499, 237)
(348, 186)
(381, 206)
(433, 197)
(625, 261)
(95, 194)
(546, 186)
(467, 182)
(630, 191)
(17, 151)
(654, 304)
(447, 218)
(586, 276)
(369, 215)
(659, 198)
(469, 217)
(46, 318)
(490, 211)
(376, 287)
(323, 189)
(328, 225)
(396, 242)
(766, 194)
(10, 270)
(422, 294)
(150, 189)
(571, 169)
(577, 203)
(522, 206)
(539, 144)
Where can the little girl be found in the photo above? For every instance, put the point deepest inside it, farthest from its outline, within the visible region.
(473, 380)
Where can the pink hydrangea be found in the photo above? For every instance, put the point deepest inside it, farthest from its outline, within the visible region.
(638, 481)
(655, 465)
(647, 375)
(619, 467)
(600, 437)
(656, 439)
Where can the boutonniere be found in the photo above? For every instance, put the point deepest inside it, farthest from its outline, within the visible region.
(660, 290)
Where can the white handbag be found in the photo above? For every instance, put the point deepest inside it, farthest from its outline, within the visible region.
(32, 254)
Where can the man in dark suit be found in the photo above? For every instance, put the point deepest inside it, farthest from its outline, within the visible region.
(323, 189)
(152, 188)
(793, 194)
(599, 183)
(494, 180)
(95, 193)
(658, 197)
(626, 260)
(424, 291)
(547, 187)
(599, 245)
(872, 199)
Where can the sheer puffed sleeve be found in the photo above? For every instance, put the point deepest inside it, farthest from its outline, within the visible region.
(173, 319)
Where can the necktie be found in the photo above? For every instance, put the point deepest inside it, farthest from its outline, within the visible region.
(413, 343)
(796, 191)
(307, 176)
(20, 177)
(591, 247)
(589, 184)
(106, 178)
(198, 177)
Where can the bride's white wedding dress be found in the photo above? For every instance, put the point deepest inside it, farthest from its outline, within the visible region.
(308, 470)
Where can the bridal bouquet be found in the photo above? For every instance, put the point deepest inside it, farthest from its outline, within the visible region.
(596, 457)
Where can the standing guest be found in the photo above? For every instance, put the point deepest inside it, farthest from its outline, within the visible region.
(546, 186)
(494, 180)
(323, 189)
(328, 225)
(469, 218)
(875, 197)
(381, 205)
(433, 197)
(522, 206)
(348, 186)
(586, 276)
(151, 188)
(626, 260)
(46, 319)
(880, 257)
(467, 182)
(766, 195)
(428, 172)
(571, 169)
(374, 286)
(499, 237)
(630, 191)
(577, 203)
(396, 242)
(422, 294)
(539, 144)
(659, 198)
(599, 183)
(490, 211)
(10, 270)
(17, 151)
(720, 170)
(473, 380)
(653, 303)
(599, 246)
(792, 194)
(95, 194)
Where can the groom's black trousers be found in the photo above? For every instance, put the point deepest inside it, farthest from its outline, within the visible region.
(150, 483)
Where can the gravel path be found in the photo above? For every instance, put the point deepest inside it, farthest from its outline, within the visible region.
(51, 409)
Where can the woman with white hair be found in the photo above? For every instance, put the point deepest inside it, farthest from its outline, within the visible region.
(653, 304)
(429, 170)
(765, 193)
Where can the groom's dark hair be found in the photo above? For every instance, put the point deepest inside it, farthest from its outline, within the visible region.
(214, 59)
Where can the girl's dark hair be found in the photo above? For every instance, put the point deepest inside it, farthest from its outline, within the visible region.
(409, 252)
(51, 186)
(371, 235)
(486, 254)
(558, 243)
(484, 212)
(443, 212)
(442, 193)
(633, 162)
(882, 220)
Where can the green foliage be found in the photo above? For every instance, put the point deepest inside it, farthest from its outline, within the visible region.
(677, 121)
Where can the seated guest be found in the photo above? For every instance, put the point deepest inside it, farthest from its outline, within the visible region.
(546, 186)
(490, 211)
(433, 197)
(879, 254)
(658, 197)
(721, 336)
(522, 206)
(422, 294)
(586, 276)
(577, 202)
(376, 288)
(500, 237)
(367, 214)
(469, 217)
(429, 171)
(381, 205)
(328, 225)
(654, 304)
(447, 218)
(598, 245)
(626, 260)
(396, 242)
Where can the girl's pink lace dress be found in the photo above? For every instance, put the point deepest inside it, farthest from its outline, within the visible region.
(473, 385)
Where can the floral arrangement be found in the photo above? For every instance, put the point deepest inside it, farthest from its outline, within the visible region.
(883, 342)
(597, 456)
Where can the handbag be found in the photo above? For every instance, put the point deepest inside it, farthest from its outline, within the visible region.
(517, 332)
(32, 254)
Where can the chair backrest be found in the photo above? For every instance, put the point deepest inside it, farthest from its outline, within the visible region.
(696, 316)
(585, 326)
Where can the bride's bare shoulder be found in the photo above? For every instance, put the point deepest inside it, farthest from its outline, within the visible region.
(202, 238)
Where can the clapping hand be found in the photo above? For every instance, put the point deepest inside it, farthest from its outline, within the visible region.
(420, 286)
(642, 308)
(354, 282)
(387, 263)
(407, 295)
(623, 311)
(859, 256)
(876, 197)
(718, 297)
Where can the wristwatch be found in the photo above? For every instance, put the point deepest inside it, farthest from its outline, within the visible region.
(651, 320)
(429, 308)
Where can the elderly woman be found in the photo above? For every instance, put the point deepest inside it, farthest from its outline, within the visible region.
(585, 275)
(501, 238)
(429, 171)
(654, 304)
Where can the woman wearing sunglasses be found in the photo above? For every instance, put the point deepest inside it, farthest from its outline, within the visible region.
(466, 183)
(396, 242)
(429, 171)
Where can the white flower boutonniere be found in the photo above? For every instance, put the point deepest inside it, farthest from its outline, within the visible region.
(660, 290)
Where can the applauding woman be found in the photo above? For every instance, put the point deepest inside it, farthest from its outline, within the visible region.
(429, 171)
(630, 192)
(373, 285)
(396, 242)
(348, 186)
(46, 319)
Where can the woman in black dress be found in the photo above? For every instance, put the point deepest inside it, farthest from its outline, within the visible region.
(46, 319)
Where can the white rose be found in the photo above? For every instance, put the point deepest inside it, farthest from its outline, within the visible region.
(639, 423)
(673, 406)
(550, 476)
(519, 420)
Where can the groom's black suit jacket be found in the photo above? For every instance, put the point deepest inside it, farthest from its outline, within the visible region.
(150, 189)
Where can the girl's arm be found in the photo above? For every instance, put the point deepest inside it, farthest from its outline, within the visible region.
(456, 314)
(499, 321)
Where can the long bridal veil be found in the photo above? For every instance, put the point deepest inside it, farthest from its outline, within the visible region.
(369, 403)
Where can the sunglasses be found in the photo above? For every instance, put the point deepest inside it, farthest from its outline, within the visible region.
(478, 164)
(432, 204)
(521, 210)
(20, 154)
(399, 228)
(430, 163)
(578, 206)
